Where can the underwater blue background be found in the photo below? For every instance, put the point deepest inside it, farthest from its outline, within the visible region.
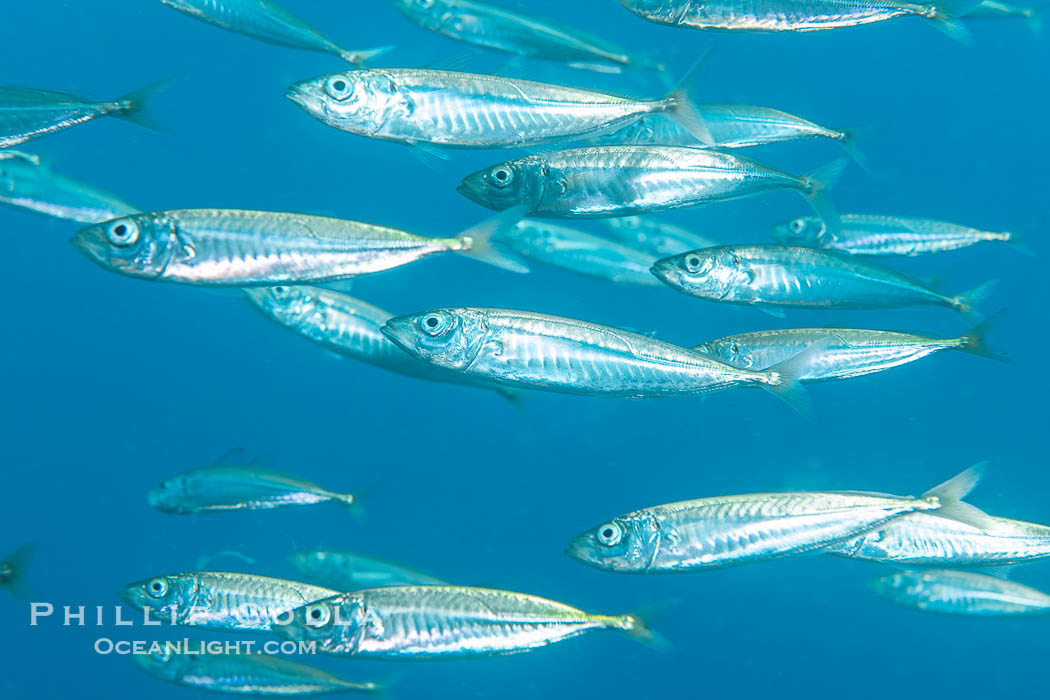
(110, 385)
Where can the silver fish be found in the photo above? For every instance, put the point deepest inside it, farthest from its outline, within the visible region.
(35, 187)
(580, 252)
(875, 234)
(514, 32)
(711, 533)
(221, 601)
(654, 236)
(849, 353)
(12, 571)
(961, 593)
(351, 328)
(466, 110)
(797, 15)
(783, 276)
(266, 21)
(28, 113)
(993, 9)
(346, 571)
(606, 181)
(443, 621)
(549, 353)
(256, 248)
(243, 674)
(224, 488)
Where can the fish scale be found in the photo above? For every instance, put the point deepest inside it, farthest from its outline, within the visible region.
(961, 593)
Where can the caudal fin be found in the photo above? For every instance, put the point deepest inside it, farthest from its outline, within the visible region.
(359, 58)
(817, 190)
(16, 581)
(637, 625)
(849, 142)
(967, 303)
(945, 16)
(975, 341)
(1034, 19)
(681, 105)
(951, 493)
(477, 241)
(785, 379)
(132, 107)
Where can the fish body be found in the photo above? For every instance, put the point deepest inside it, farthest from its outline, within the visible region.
(26, 185)
(346, 571)
(252, 248)
(550, 353)
(876, 234)
(12, 571)
(224, 488)
(850, 352)
(580, 252)
(656, 237)
(713, 533)
(404, 622)
(349, 327)
(992, 9)
(514, 32)
(467, 110)
(929, 540)
(29, 113)
(221, 601)
(775, 275)
(266, 21)
(616, 181)
(244, 674)
(961, 593)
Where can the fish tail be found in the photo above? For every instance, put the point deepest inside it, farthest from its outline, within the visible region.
(817, 190)
(18, 561)
(476, 242)
(975, 341)
(359, 58)
(681, 107)
(1018, 243)
(947, 498)
(132, 107)
(967, 302)
(945, 16)
(848, 140)
(784, 380)
(1033, 18)
(637, 625)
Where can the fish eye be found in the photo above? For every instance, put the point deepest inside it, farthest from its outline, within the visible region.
(502, 176)
(797, 226)
(434, 324)
(610, 534)
(693, 262)
(318, 614)
(280, 292)
(338, 87)
(163, 655)
(425, 4)
(157, 588)
(122, 232)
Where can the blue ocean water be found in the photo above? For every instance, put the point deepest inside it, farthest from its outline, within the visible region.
(111, 384)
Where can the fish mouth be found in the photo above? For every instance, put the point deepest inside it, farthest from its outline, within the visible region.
(300, 94)
(661, 270)
(90, 244)
(396, 332)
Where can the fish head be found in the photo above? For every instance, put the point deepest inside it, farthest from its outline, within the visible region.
(450, 338)
(626, 545)
(710, 273)
(510, 184)
(803, 231)
(336, 624)
(165, 663)
(289, 305)
(899, 587)
(137, 246)
(170, 495)
(728, 351)
(166, 597)
(656, 9)
(359, 101)
(430, 14)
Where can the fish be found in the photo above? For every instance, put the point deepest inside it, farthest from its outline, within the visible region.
(243, 673)
(437, 108)
(850, 353)
(222, 488)
(227, 602)
(785, 276)
(611, 181)
(993, 9)
(414, 622)
(961, 593)
(29, 113)
(654, 236)
(798, 15)
(346, 571)
(514, 32)
(523, 349)
(256, 248)
(34, 187)
(266, 21)
(580, 252)
(714, 533)
(875, 234)
(12, 571)
(351, 328)
(732, 126)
